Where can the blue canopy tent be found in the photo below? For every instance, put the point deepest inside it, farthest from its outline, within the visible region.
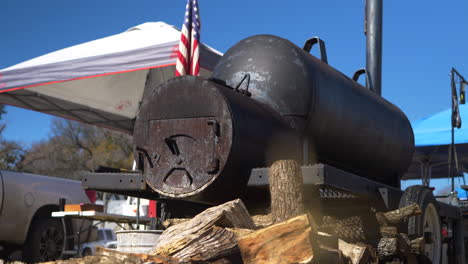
(432, 141)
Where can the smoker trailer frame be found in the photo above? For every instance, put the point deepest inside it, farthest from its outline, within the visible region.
(331, 182)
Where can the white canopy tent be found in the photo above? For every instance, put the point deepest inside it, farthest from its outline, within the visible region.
(100, 82)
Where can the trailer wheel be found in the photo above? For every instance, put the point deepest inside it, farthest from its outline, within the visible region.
(427, 224)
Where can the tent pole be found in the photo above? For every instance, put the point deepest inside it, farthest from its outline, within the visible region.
(452, 155)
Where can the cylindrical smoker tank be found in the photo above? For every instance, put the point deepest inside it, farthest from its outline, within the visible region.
(199, 139)
(343, 123)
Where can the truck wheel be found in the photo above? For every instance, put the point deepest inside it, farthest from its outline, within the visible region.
(45, 241)
(427, 224)
(6, 251)
(86, 252)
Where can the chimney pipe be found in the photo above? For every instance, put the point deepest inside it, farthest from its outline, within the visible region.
(373, 31)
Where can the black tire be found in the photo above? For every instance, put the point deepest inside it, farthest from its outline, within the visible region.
(427, 222)
(45, 241)
(86, 252)
(6, 251)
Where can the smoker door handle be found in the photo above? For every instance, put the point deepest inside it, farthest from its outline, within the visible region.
(323, 51)
(213, 166)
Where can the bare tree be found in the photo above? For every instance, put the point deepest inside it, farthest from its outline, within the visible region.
(11, 152)
(75, 147)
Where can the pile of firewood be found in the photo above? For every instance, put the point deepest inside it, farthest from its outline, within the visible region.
(228, 234)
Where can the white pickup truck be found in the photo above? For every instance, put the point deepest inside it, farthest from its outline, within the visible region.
(26, 203)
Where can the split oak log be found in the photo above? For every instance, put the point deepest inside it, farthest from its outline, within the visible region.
(214, 243)
(286, 186)
(402, 214)
(286, 242)
(394, 247)
(358, 254)
(123, 257)
(240, 231)
(109, 256)
(388, 231)
(417, 246)
(387, 248)
(204, 236)
(262, 221)
(173, 221)
(393, 244)
(399, 215)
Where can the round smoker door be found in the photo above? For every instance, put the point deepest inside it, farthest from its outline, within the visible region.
(185, 158)
(183, 136)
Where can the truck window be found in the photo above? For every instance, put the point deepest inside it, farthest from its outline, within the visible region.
(101, 235)
(109, 235)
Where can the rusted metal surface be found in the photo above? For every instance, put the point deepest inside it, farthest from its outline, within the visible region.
(343, 124)
(184, 153)
(198, 139)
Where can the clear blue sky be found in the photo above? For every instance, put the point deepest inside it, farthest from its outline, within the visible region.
(422, 39)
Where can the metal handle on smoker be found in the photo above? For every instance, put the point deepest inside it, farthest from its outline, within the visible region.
(358, 74)
(311, 42)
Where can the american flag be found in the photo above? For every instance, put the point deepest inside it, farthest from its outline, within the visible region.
(188, 59)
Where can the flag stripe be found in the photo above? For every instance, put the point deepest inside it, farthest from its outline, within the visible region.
(188, 55)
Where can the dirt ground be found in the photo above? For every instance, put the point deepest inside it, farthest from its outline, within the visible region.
(12, 262)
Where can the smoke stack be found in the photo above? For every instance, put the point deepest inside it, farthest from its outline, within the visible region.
(373, 31)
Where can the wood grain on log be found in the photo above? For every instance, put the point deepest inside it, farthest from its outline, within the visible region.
(130, 257)
(286, 186)
(402, 214)
(358, 254)
(173, 221)
(240, 231)
(262, 221)
(417, 246)
(214, 243)
(286, 242)
(387, 248)
(388, 231)
(395, 247)
(109, 256)
(382, 220)
(200, 239)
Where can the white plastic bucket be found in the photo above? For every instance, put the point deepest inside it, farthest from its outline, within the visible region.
(137, 241)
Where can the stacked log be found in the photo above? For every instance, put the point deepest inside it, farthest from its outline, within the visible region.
(206, 237)
(394, 245)
(286, 185)
(227, 234)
